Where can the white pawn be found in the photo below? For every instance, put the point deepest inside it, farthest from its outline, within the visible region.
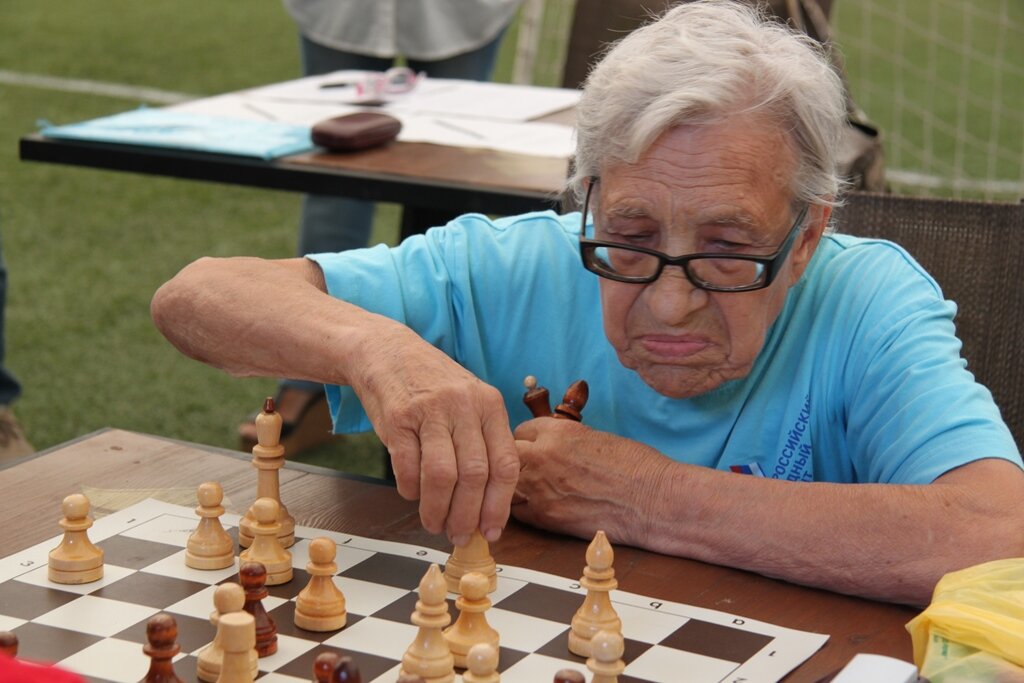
(209, 546)
(229, 597)
(429, 657)
(482, 664)
(475, 556)
(471, 627)
(76, 559)
(321, 605)
(266, 548)
(606, 663)
(596, 613)
(238, 638)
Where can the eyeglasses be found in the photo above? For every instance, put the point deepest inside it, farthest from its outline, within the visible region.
(713, 272)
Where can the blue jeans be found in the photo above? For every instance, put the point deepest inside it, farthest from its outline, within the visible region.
(331, 224)
(10, 389)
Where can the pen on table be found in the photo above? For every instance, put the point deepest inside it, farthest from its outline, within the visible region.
(262, 112)
(337, 84)
(459, 129)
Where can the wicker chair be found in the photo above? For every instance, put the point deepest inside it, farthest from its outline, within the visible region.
(975, 250)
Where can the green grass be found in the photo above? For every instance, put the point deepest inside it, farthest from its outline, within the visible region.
(86, 249)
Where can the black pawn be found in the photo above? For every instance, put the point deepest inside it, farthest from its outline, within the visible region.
(161, 646)
(253, 577)
(346, 671)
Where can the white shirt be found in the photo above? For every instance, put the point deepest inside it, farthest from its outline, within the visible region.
(416, 29)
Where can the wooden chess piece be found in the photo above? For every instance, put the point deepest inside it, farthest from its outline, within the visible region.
(253, 577)
(209, 546)
(76, 560)
(596, 613)
(428, 656)
(323, 666)
(238, 637)
(482, 664)
(410, 678)
(536, 398)
(9, 643)
(346, 671)
(569, 676)
(227, 598)
(475, 556)
(606, 663)
(573, 401)
(321, 605)
(471, 627)
(266, 548)
(268, 459)
(161, 646)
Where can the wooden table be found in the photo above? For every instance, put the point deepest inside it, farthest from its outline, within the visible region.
(433, 183)
(127, 467)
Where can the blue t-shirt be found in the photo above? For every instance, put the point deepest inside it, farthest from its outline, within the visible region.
(860, 378)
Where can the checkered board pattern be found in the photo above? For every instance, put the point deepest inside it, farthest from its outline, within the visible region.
(98, 629)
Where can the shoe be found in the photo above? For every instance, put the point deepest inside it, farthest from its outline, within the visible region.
(307, 422)
(13, 444)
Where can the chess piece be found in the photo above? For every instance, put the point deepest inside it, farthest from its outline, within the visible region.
(606, 663)
(76, 559)
(9, 643)
(471, 627)
(573, 401)
(596, 613)
(536, 398)
(268, 459)
(323, 666)
(238, 637)
(161, 646)
(475, 556)
(429, 656)
(320, 605)
(209, 546)
(229, 597)
(569, 676)
(346, 671)
(266, 548)
(409, 678)
(253, 577)
(482, 664)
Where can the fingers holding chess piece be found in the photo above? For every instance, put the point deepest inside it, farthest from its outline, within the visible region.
(161, 647)
(209, 546)
(76, 560)
(321, 605)
(266, 548)
(606, 663)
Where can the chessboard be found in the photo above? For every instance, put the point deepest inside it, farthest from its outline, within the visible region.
(98, 629)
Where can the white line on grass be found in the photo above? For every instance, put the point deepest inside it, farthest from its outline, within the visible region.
(128, 92)
(915, 179)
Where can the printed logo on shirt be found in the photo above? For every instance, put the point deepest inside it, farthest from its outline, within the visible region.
(794, 461)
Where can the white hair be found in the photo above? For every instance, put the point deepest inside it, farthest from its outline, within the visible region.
(701, 63)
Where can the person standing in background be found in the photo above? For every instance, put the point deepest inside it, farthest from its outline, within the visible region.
(13, 443)
(443, 38)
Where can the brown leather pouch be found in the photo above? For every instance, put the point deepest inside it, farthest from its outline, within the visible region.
(355, 131)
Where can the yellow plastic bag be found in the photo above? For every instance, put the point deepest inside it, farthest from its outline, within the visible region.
(974, 628)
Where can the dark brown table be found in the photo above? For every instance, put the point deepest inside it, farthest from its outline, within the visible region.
(433, 183)
(127, 466)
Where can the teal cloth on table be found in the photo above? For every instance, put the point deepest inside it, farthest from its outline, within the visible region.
(184, 130)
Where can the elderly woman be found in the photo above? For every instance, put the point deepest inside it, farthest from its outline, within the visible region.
(721, 330)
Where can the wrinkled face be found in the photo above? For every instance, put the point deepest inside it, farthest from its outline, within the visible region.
(724, 189)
